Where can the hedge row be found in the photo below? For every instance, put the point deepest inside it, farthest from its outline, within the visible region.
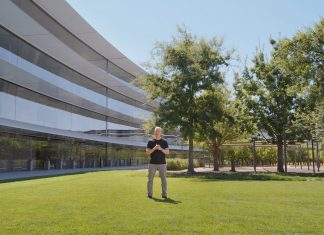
(176, 164)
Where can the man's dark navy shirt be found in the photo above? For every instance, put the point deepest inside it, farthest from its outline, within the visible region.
(157, 157)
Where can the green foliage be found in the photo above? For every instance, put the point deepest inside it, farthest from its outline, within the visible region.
(302, 57)
(176, 164)
(285, 94)
(221, 119)
(269, 100)
(239, 153)
(267, 95)
(266, 155)
(180, 71)
(309, 124)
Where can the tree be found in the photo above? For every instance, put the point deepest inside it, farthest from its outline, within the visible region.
(180, 71)
(221, 121)
(267, 94)
(302, 57)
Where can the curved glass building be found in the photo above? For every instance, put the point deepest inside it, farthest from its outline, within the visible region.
(66, 97)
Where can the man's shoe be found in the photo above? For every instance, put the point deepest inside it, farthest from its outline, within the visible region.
(149, 196)
(164, 196)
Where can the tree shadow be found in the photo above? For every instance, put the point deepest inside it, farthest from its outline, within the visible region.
(2, 181)
(167, 200)
(241, 176)
(59, 174)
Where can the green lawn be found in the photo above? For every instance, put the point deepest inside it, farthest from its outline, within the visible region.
(114, 202)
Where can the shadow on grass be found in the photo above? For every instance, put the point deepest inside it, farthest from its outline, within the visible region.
(168, 200)
(42, 177)
(61, 174)
(262, 176)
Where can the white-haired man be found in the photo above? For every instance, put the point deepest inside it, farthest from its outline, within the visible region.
(157, 149)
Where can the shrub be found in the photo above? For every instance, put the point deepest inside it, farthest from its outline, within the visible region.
(177, 164)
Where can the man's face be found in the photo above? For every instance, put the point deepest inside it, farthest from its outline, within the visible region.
(157, 134)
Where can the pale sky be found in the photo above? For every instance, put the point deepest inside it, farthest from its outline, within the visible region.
(133, 26)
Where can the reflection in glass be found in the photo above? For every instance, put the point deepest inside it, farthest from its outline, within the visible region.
(74, 88)
(7, 106)
(23, 110)
(20, 152)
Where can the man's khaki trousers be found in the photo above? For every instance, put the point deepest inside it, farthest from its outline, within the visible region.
(162, 168)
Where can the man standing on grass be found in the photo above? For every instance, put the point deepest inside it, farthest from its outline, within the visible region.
(157, 149)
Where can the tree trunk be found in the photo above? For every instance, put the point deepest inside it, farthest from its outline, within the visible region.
(285, 151)
(279, 155)
(254, 156)
(216, 151)
(318, 163)
(191, 168)
(313, 156)
(307, 156)
(301, 157)
(232, 164)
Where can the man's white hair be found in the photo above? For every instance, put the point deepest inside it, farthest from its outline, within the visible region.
(157, 129)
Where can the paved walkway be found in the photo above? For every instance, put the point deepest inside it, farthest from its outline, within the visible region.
(16, 175)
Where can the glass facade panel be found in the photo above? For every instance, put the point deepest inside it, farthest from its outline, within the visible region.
(130, 85)
(23, 110)
(74, 88)
(38, 114)
(19, 152)
(7, 106)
